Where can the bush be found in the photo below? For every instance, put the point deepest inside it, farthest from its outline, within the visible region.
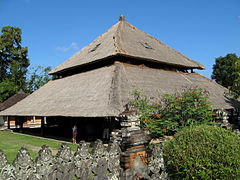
(203, 152)
(174, 112)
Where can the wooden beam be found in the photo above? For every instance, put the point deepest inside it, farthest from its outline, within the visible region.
(8, 121)
(21, 124)
(43, 120)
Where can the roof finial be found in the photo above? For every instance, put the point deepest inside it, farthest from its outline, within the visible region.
(122, 18)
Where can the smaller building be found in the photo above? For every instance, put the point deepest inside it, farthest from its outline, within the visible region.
(13, 121)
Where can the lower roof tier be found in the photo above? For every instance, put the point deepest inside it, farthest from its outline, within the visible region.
(105, 91)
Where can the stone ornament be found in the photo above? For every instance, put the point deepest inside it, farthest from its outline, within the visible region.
(7, 171)
(100, 159)
(46, 164)
(101, 163)
(83, 161)
(156, 166)
(114, 152)
(65, 163)
(24, 164)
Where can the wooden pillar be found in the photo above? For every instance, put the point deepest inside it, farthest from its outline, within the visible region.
(8, 121)
(43, 120)
(21, 124)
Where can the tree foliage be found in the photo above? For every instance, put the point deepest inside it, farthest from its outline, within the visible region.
(203, 152)
(13, 62)
(235, 88)
(174, 112)
(225, 71)
(37, 78)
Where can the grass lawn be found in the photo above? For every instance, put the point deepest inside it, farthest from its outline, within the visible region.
(10, 143)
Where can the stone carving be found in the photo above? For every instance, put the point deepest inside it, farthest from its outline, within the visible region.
(65, 163)
(101, 163)
(45, 164)
(156, 167)
(3, 160)
(137, 171)
(114, 152)
(83, 161)
(24, 164)
(7, 171)
(222, 119)
(100, 160)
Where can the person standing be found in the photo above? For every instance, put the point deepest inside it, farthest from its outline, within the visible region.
(74, 132)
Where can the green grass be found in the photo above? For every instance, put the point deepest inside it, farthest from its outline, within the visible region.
(10, 143)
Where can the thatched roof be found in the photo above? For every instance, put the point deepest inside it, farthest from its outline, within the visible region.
(13, 100)
(126, 40)
(105, 91)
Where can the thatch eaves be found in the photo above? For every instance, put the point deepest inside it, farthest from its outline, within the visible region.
(105, 91)
(126, 40)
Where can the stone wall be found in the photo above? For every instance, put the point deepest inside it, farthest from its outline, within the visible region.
(101, 163)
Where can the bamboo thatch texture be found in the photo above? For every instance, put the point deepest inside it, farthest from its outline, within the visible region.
(105, 91)
(125, 39)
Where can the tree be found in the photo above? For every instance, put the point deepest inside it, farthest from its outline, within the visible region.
(225, 70)
(174, 112)
(13, 62)
(37, 78)
(236, 82)
(203, 152)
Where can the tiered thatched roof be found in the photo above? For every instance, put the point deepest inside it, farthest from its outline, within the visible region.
(98, 91)
(105, 91)
(123, 39)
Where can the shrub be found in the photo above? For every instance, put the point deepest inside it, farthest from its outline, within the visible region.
(203, 152)
(174, 112)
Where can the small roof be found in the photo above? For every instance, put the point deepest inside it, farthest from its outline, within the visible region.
(105, 91)
(13, 100)
(126, 40)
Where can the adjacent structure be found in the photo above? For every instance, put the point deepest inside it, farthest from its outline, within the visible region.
(93, 86)
(13, 121)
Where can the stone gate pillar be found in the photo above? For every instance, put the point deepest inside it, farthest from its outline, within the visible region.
(134, 141)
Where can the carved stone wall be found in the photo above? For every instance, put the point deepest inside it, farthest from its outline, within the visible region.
(100, 163)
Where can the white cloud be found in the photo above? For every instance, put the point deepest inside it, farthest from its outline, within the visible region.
(73, 46)
(238, 17)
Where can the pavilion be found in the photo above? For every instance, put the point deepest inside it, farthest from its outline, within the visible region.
(93, 87)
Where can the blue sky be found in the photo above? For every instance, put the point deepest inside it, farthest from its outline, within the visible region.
(54, 30)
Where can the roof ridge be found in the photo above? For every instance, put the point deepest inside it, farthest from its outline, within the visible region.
(199, 64)
(119, 31)
(116, 39)
(123, 39)
(114, 93)
(99, 37)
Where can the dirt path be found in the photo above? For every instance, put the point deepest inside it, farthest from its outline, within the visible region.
(37, 149)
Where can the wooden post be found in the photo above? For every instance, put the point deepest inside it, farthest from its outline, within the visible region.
(8, 121)
(21, 124)
(43, 119)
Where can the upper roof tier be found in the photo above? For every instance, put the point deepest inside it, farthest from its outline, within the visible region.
(126, 40)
